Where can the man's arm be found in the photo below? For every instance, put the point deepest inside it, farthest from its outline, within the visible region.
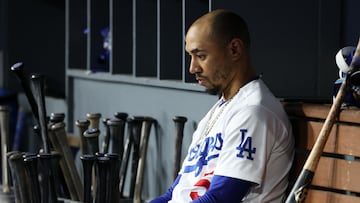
(224, 190)
(164, 198)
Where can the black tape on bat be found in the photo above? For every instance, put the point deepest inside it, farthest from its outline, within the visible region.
(299, 190)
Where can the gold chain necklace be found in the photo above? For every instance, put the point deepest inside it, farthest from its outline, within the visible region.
(211, 124)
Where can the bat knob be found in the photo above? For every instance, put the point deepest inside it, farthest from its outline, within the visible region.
(121, 115)
(17, 67)
(57, 117)
(93, 115)
(181, 119)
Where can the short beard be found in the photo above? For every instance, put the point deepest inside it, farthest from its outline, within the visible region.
(213, 91)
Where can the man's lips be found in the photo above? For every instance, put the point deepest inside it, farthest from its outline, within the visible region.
(200, 80)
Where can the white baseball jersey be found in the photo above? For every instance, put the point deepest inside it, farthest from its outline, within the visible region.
(248, 137)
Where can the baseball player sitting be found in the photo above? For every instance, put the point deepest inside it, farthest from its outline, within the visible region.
(243, 148)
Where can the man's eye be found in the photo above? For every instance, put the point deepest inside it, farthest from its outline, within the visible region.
(202, 57)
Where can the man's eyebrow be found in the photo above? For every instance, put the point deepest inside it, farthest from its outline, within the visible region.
(194, 51)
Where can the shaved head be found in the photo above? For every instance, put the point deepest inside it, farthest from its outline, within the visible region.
(222, 26)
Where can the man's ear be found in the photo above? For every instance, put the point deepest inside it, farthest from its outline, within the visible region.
(236, 47)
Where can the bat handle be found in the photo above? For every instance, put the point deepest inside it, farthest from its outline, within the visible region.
(30, 165)
(135, 141)
(18, 69)
(116, 136)
(92, 139)
(87, 162)
(73, 180)
(38, 83)
(94, 119)
(4, 126)
(145, 133)
(105, 143)
(102, 170)
(299, 190)
(125, 157)
(179, 134)
(83, 125)
(46, 181)
(113, 178)
(18, 173)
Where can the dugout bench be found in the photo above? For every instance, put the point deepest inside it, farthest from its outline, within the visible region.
(337, 177)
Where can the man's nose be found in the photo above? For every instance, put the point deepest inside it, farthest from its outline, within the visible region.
(194, 66)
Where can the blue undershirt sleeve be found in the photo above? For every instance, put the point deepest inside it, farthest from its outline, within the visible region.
(224, 190)
(164, 198)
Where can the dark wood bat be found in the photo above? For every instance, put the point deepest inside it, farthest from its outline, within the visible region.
(88, 161)
(37, 83)
(134, 128)
(31, 170)
(102, 166)
(113, 194)
(46, 181)
(145, 132)
(299, 190)
(131, 144)
(105, 143)
(179, 134)
(83, 125)
(18, 69)
(92, 139)
(116, 136)
(5, 133)
(17, 169)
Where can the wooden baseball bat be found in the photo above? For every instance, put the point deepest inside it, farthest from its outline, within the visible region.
(116, 136)
(37, 83)
(135, 141)
(4, 126)
(105, 143)
(88, 161)
(131, 144)
(31, 170)
(17, 169)
(18, 69)
(94, 119)
(58, 138)
(113, 194)
(92, 139)
(46, 178)
(298, 191)
(83, 125)
(179, 134)
(145, 132)
(101, 170)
